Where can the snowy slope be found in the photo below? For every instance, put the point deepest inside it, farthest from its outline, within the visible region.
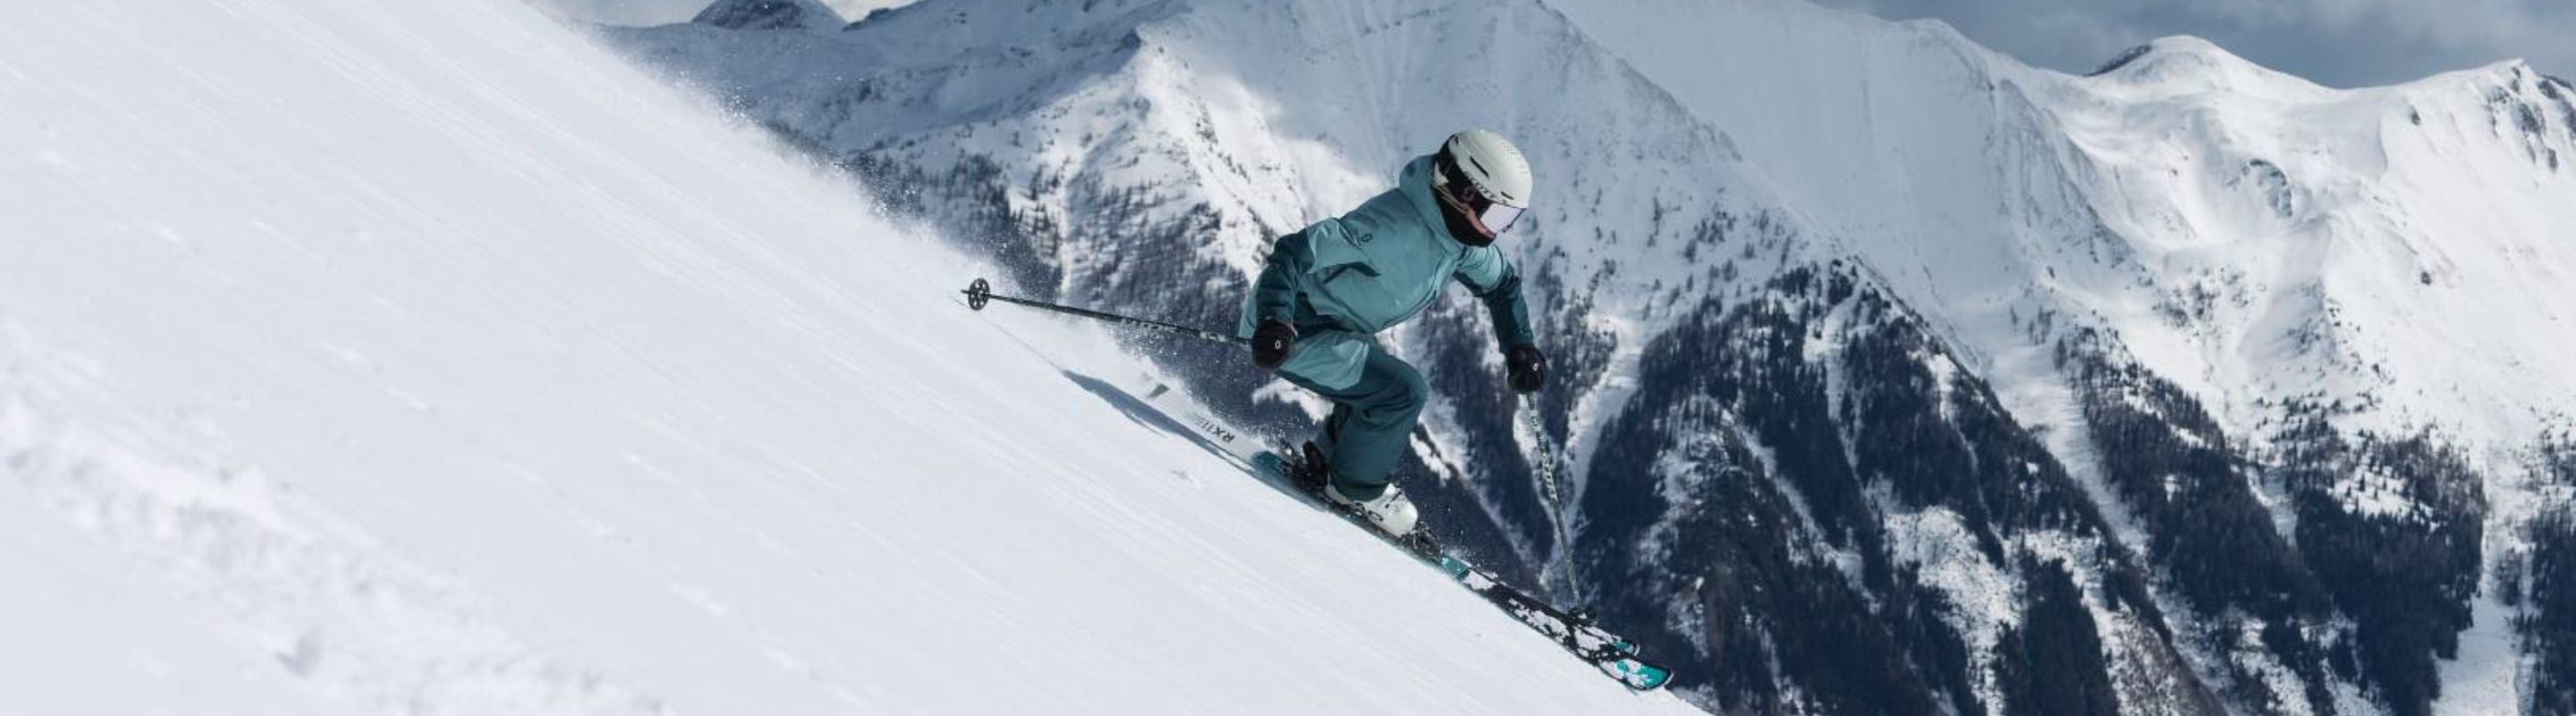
(423, 358)
(2271, 331)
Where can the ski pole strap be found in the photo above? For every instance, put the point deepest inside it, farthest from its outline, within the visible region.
(979, 294)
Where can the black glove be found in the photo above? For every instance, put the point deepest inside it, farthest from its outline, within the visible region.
(1271, 342)
(1528, 368)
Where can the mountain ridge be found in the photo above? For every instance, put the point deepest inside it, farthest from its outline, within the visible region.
(770, 15)
(2052, 232)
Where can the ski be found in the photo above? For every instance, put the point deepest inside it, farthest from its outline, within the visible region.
(1616, 657)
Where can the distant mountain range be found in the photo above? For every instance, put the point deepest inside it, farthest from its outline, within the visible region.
(1896, 376)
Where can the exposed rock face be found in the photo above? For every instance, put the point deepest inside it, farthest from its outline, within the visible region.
(769, 15)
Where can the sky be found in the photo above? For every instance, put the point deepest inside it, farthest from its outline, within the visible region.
(2339, 43)
(659, 12)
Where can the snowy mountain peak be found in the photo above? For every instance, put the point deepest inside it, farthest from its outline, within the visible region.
(770, 15)
(2184, 64)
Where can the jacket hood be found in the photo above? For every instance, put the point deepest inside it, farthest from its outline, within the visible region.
(1415, 181)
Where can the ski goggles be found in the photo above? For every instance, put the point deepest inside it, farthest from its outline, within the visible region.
(1489, 217)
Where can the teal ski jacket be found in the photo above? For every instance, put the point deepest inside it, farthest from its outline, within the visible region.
(1344, 279)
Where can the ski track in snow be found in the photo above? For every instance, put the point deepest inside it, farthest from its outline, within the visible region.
(423, 358)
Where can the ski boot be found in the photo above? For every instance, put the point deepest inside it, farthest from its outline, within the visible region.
(1390, 512)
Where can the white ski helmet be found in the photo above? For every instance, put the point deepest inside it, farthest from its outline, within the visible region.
(1496, 178)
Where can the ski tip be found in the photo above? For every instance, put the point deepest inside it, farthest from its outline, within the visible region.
(1638, 675)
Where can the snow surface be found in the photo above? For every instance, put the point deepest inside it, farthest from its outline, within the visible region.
(2396, 253)
(420, 357)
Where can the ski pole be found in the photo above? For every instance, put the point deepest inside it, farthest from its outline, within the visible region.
(1549, 492)
(979, 293)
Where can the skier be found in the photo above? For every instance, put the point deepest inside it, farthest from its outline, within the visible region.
(1327, 290)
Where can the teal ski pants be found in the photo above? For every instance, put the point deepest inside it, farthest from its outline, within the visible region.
(1371, 422)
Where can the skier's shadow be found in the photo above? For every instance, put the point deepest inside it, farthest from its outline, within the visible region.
(1144, 413)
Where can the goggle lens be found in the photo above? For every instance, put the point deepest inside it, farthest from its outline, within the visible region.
(1492, 216)
(1497, 217)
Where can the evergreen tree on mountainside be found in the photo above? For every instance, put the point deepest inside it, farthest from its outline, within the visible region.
(2175, 470)
(2172, 465)
(2548, 627)
(2547, 624)
(1760, 600)
(2052, 665)
(2404, 579)
(1767, 614)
